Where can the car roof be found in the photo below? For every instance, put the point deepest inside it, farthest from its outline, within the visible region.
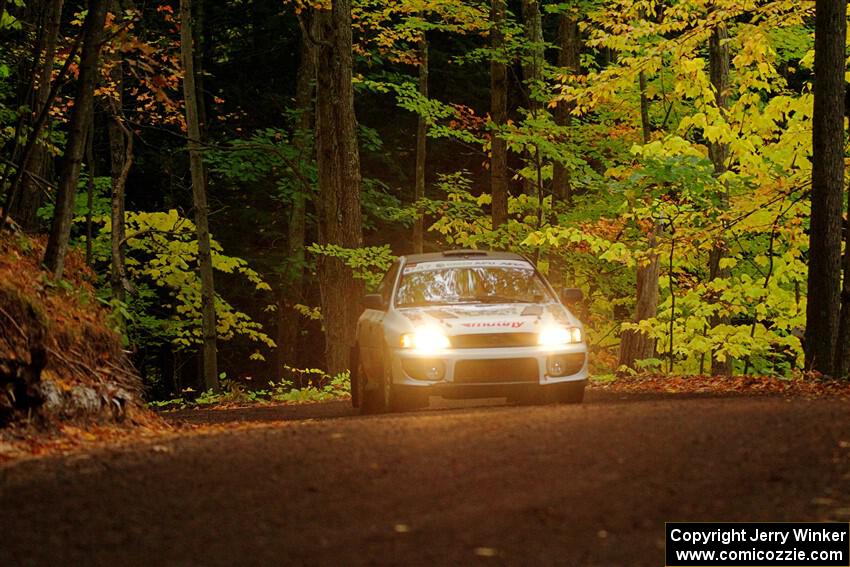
(466, 255)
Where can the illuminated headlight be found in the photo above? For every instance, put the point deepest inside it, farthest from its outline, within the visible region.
(425, 340)
(557, 335)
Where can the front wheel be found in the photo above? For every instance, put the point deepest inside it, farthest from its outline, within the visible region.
(386, 397)
(378, 397)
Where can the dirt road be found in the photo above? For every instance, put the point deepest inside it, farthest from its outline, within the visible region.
(565, 485)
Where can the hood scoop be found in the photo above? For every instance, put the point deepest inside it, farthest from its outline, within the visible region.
(532, 311)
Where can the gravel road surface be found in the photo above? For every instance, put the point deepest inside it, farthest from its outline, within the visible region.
(472, 485)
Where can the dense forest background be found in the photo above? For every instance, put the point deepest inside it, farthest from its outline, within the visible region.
(657, 154)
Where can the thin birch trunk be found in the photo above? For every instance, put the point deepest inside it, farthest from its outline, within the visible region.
(32, 193)
(498, 115)
(199, 194)
(81, 115)
(292, 288)
(421, 148)
(532, 68)
(636, 345)
(719, 153)
(568, 60)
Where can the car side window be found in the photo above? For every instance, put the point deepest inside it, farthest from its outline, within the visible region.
(385, 288)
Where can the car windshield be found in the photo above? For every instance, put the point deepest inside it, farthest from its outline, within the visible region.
(442, 283)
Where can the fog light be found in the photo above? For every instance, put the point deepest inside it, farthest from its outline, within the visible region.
(433, 372)
(565, 364)
(424, 369)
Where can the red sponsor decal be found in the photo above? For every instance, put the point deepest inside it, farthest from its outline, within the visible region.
(499, 324)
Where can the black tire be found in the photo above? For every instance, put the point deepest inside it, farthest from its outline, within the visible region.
(376, 399)
(384, 397)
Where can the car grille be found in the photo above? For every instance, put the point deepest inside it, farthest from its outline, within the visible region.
(494, 340)
(495, 371)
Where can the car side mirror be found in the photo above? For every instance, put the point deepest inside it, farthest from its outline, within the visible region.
(571, 295)
(374, 301)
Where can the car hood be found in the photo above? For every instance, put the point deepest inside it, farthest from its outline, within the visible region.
(489, 318)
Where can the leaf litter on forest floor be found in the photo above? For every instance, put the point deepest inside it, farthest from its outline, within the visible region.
(22, 442)
(805, 387)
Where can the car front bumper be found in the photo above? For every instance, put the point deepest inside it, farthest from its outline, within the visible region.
(489, 368)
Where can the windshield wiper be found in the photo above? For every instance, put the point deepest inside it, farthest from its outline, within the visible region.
(502, 299)
(442, 302)
(487, 299)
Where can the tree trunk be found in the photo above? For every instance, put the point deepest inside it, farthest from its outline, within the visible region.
(532, 69)
(29, 146)
(635, 345)
(199, 194)
(569, 59)
(498, 115)
(842, 347)
(89, 191)
(81, 115)
(719, 154)
(121, 160)
(824, 281)
(421, 147)
(646, 126)
(32, 193)
(338, 161)
(719, 70)
(532, 65)
(36, 19)
(292, 290)
(198, 55)
(121, 156)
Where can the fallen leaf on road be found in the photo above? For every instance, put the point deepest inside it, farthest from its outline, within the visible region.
(823, 501)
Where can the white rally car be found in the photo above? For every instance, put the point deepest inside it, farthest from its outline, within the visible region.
(466, 324)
